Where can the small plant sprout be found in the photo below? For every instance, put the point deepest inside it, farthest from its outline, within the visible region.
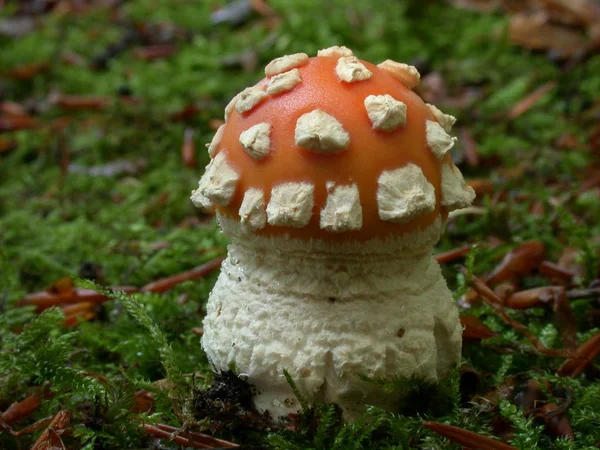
(333, 180)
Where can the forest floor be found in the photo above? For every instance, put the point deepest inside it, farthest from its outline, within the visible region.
(105, 107)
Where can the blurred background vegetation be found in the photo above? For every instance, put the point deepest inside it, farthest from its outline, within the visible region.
(105, 107)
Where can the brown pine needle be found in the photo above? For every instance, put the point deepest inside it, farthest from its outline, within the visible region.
(168, 283)
(467, 438)
(495, 303)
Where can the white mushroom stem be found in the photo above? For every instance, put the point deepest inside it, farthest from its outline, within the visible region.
(329, 313)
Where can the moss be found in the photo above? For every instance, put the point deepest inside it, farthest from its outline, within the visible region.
(131, 228)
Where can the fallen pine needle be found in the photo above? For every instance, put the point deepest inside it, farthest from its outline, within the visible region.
(168, 283)
(467, 438)
(495, 303)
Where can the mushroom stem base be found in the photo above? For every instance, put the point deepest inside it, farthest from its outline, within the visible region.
(330, 321)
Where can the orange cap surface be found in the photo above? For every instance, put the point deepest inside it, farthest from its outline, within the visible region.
(359, 162)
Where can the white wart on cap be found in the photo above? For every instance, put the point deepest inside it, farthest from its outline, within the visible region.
(404, 194)
(252, 210)
(249, 98)
(408, 75)
(445, 120)
(342, 211)
(335, 51)
(216, 140)
(437, 139)
(350, 69)
(385, 112)
(291, 205)
(219, 182)
(285, 63)
(283, 82)
(321, 133)
(456, 194)
(256, 140)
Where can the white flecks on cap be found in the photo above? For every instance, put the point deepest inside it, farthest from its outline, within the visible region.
(230, 106)
(456, 193)
(445, 120)
(437, 139)
(385, 112)
(252, 210)
(335, 51)
(321, 132)
(350, 69)
(408, 75)
(216, 140)
(249, 98)
(285, 63)
(256, 140)
(404, 194)
(342, 211)
(219, 181)
(283, 82)
(291, 205)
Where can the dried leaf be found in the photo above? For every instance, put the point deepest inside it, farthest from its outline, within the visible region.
(531, 298)
(28, 71)
(15, 123)
(534, 31)
(144, 401)
(475, 329)
(77, 312)
(518, 262)
(7, 145)
(482, 186)
(21, 410)
(557, 423)
(62, 286)
(529, 397)
(50, 439)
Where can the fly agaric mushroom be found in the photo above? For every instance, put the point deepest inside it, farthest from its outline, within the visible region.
(333, 180)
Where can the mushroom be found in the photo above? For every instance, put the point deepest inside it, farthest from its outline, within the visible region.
(333, 180)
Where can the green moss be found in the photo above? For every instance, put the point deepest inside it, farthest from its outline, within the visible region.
(139, 227)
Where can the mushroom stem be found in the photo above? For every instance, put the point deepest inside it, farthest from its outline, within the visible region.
(330, 314)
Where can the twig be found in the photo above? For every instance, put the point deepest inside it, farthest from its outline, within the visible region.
(554, 270)
(467, 438)
(451, 255)
(579, 360)
(529, 102)
(574, 294)
(496, 304)
(165, 284)
(43, 300)
(187, 439)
